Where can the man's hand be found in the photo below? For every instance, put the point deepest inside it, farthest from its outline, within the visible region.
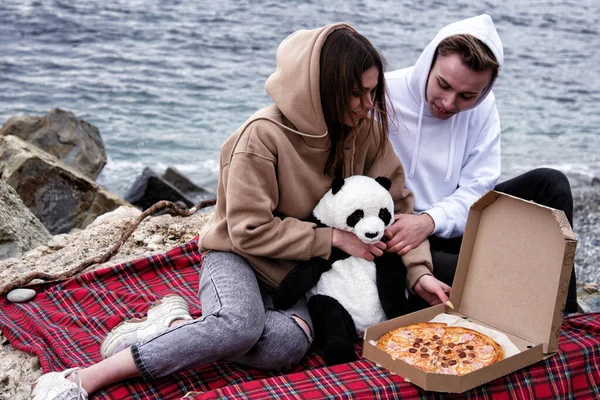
(432, 290)
(408, 232)
(351, 244)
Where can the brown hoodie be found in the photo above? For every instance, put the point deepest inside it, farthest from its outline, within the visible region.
(271, 172)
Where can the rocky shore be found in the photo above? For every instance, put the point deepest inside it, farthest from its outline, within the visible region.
(586, 222)
(18, 370)
(97, 219)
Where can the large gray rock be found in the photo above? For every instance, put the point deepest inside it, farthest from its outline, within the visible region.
(150, 188)
(61, 197)
(192, 191)
(71, 140)
(20, 230)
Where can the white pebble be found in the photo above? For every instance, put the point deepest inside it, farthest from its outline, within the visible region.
(154, 246)
(20, 295)
(33, 254)
(157, 239)
(59, 241)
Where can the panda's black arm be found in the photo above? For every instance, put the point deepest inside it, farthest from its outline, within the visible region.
(391, 285)
(299, 281)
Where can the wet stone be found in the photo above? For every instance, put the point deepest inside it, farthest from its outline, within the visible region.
(20, 295)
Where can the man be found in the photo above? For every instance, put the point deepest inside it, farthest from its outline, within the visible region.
(444, 126)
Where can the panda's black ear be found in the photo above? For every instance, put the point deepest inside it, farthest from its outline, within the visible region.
(337, 184)
(385, 182)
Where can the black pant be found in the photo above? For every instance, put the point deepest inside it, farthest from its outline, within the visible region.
(544, 186)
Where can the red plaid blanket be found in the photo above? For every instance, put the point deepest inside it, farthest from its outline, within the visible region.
(66, 322)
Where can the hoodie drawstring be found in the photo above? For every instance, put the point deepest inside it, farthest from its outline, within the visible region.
(415, 155)
(451, 155)
(276, 123)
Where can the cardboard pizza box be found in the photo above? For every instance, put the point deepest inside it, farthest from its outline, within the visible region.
(513, 274)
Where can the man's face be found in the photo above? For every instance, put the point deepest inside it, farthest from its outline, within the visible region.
(453, 87)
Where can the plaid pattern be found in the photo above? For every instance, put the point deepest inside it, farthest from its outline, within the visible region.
(66, 322)
(573, 373)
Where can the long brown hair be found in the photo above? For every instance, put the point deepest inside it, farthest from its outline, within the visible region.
(345, 55)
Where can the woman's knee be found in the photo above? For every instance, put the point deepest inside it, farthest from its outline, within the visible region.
(241, 329)
(285, 342)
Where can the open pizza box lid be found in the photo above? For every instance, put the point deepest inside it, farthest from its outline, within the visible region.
(513, 274)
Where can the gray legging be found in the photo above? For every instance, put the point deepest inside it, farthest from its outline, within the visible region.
(238, 323)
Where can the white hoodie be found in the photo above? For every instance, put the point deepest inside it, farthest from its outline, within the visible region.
(450, 163)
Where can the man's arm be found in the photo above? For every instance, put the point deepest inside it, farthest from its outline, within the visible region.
(447, 218)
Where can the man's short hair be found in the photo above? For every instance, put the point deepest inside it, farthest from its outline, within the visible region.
(473, 52)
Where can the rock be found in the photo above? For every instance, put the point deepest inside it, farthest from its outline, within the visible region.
(58, 242)
(184, 185)
(149, 188)
(586, 224)
(35, 364)
(20, 230)
(154, 239)
(123, 212)
(21, 369)
(73, 141)
(20, 295)
(59, 196)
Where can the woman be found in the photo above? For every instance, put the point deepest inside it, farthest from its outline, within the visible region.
(327, 87)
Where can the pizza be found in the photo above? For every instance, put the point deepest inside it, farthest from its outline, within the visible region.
(437, 347)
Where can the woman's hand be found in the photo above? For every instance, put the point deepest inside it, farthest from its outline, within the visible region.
(432, 290)
(408, 232)
(352, 245)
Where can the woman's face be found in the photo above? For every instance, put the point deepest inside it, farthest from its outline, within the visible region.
(361, 101)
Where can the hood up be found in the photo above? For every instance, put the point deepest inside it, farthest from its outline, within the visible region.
(294, 86)
(482, 27)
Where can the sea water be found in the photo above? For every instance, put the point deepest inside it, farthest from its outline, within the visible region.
(166, 82)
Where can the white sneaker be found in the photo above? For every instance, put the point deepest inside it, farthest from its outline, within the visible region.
(56, 386)
(170, 308)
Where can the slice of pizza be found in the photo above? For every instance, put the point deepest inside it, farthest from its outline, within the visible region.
(416, 344)
(465, 350)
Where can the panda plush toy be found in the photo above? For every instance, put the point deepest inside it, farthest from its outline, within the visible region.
(346, 294)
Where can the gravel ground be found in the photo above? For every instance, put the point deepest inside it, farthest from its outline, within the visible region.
(586, 222)
(19, 370)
